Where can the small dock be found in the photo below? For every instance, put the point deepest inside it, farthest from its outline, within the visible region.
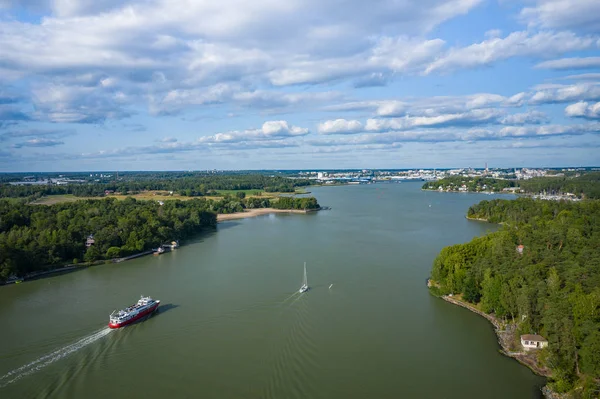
(166, 248)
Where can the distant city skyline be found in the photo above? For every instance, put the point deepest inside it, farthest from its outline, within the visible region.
(302, 84)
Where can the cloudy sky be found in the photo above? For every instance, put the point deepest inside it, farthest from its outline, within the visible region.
(264, 84)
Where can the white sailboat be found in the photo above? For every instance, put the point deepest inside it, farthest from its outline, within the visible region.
(304, 286)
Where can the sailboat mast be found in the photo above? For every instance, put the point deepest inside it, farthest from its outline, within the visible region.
(305, 278)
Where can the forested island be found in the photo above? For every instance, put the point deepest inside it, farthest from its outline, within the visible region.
(36, 238)
(539, 274)
(190, 184)
(583, 186)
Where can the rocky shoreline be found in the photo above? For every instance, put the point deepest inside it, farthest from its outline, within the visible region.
(506, 335)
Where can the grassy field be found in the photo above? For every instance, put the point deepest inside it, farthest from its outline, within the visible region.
(156, 196)
(56, 199)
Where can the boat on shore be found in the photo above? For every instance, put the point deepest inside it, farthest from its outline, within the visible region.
(304, 286)
(130, 314)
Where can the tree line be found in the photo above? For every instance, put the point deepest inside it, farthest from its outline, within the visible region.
(586, 185)
(540, 271)
(186, 185)
(38, 237)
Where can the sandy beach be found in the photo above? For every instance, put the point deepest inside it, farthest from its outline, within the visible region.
(250, 213)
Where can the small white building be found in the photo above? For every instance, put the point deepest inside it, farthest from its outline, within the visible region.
(530, 341)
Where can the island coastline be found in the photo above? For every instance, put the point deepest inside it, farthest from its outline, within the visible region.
(223, 217)
(505, 334)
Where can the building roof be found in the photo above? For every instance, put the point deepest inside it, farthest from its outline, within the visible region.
(531, 337)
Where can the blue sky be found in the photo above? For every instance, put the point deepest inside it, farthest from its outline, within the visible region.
(266, 84)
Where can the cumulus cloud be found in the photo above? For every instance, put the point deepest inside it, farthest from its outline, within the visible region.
(101, 59)
(430, 106)
(563, 14)
(269, 131)
(475, 117)
(440, 135)
(517, 44)
(571, 63)
(583, 110)
(340, 126)
(465, 119)
(566, 93)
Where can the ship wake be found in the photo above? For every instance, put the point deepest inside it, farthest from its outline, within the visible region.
(46, 360)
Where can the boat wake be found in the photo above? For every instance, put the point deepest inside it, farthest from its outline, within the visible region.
(286, 300)
(46, 360)
(293, 354)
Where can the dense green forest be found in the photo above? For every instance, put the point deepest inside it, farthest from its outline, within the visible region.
(551, 288)
(186, 185)
(586, 185)
(296, 203)
(38, 237)
(34, 238)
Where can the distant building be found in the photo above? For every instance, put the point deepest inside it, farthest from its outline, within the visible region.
(530, 341)
(520, 249)
(90, 241)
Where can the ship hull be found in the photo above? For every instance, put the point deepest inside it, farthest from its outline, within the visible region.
(140, 315)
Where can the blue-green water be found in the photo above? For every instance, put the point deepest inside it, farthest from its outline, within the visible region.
(233, 326)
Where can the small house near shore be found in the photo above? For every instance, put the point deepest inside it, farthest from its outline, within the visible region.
(90, 241)
(529, 341)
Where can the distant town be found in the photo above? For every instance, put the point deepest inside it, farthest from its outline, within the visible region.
(357, 176)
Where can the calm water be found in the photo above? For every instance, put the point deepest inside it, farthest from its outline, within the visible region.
(232, 327)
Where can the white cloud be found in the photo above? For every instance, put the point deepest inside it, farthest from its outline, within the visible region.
(531, 117)
(478, 116)
(439, 135)
(517, 44)
(62, 103)
(270, 130)
(340, 126)
(583, 110)
(430, 106)
(549, 130)
(571, 63)
(564, 14)
(566, 93)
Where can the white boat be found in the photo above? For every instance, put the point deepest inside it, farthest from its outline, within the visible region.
(304, 286)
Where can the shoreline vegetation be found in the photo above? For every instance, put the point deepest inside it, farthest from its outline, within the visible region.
(578, 187)
(37, 240)
(538, 275)
(505, 333)
(222, 217)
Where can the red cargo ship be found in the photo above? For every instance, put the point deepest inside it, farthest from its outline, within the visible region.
(130, 314)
